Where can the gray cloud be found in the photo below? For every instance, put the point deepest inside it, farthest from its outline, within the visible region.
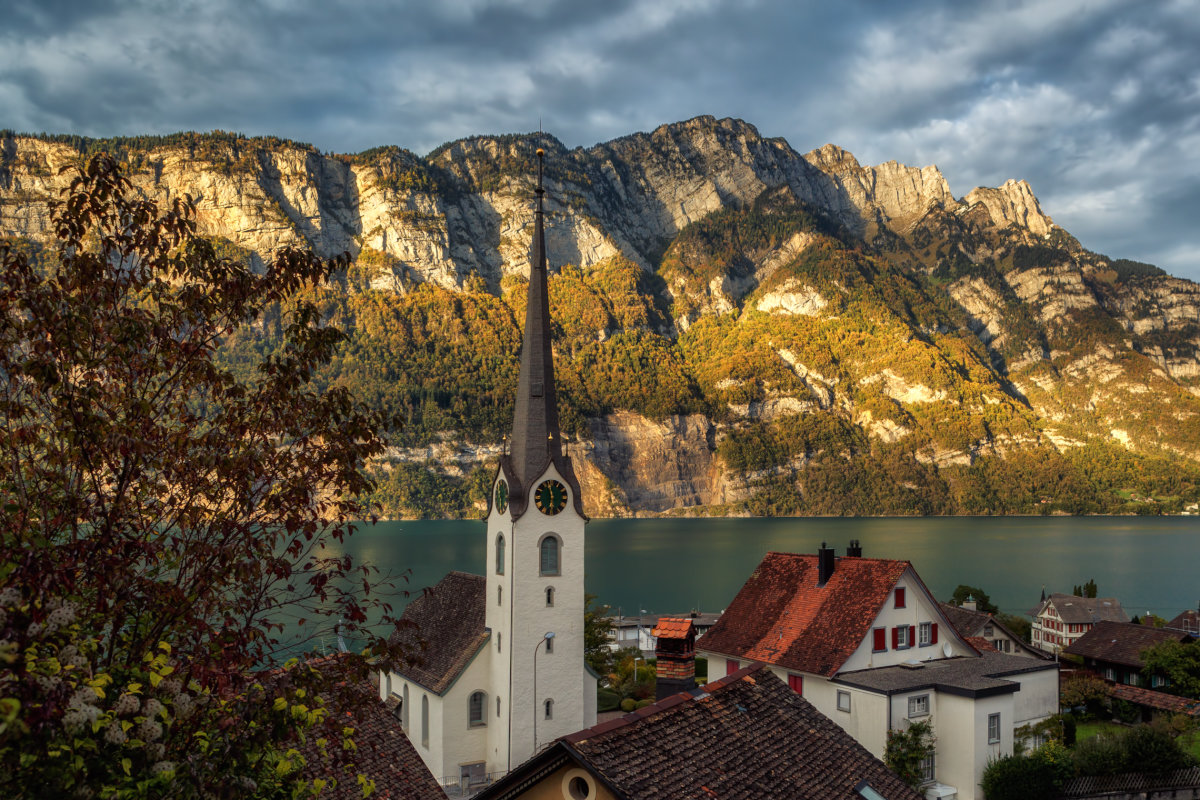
(1095, 102)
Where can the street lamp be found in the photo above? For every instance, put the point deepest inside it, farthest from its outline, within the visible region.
(545, 638)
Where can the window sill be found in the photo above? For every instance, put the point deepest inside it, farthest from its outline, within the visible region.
(918, 716)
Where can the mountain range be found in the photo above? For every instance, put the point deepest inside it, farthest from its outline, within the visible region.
(740, 328)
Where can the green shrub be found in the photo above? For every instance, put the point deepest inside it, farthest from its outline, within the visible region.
(1069, 729)
(1151, 748)
(1100, 755)
(628, 704)
(643, 703)
(701, 669)
(607, 700)
(1018, 777)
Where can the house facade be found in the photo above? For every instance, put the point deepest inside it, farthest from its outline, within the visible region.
(865, 642)
(984, 630)
(499, 668)
(1061, 619)
(1113, 650)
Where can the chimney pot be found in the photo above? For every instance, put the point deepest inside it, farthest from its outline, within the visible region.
(826, 564)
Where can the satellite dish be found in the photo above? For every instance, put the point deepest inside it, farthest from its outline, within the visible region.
(947, 650)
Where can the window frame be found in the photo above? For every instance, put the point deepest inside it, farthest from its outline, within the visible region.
(548, 708)
(479, 721)
(549, 597)
(879, 635)
(928, 768)
(542, 549)
(924, 634)
(914, 703)
(993, 720)
(901, 597)
(500, 553)
(796, 683)
(842, 694)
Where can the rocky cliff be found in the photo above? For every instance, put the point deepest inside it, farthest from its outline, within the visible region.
(742, 328)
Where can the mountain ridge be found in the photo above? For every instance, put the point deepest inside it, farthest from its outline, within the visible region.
(735, 319)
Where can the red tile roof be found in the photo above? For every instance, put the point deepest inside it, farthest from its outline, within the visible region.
(782, 617)
(444, 629)
(744, 737)
(672, 628)
(1159, 700)
(981, 644)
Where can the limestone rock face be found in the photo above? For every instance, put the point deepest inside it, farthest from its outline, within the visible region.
(963, 328)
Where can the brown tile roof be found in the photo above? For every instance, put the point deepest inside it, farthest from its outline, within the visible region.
(1086, 609)
(445, 629)
(970, 676)
(1137, 783)
(672, 628)
(745, 736)
(1188, 621)
(382, 753)
(1159, 700)
(981, 644)
(782, 617)
(1121, 642)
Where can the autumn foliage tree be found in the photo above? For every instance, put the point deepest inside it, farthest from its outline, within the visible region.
(163, 519)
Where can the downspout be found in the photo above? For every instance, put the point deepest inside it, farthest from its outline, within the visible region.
(512, 604)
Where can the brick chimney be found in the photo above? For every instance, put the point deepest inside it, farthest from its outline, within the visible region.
(826, 564)
(676, 654)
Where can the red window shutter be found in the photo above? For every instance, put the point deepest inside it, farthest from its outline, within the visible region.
(899, 597)
(934, 632)
(895, 637)
(731, 666)
(880, 639)
(796, 682)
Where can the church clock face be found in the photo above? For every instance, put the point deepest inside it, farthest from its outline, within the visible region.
(502, 496)
(550, 497)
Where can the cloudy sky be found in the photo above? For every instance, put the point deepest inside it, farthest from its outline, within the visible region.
(1095, 102)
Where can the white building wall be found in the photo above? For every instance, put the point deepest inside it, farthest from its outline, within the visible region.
(918, 607)
(1038, 697)
(522, 617)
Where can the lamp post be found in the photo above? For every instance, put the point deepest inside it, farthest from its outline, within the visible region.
(545, 638)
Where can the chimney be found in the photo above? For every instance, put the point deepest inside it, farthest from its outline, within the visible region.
(969, 604)
(826, 563)
(855, 549)
(676, 654)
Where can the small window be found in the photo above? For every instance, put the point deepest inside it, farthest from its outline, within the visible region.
(549, 596)
(549, 709)
(499, 595)
(899, 597)
(500, 555)
(549, 555)
(499, 636)
(796, 682)
(550, 645)
(404, 709)
(475, 706)
(901, 637)
(880, 644)
(989, 631)
(918, 706)
(497, 706)
(731, 666)
(925, 634)
(993, 729)
(425, 720)
(843, 701)
(926, 769)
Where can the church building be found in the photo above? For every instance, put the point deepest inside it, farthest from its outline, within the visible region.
(499, 669)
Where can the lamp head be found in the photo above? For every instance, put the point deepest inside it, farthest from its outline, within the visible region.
(549, 635)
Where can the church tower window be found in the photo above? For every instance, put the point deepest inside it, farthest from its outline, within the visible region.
(500, 555)
(549, 705)
(475, 716)
(549, 595)
(499, 595)
(549, 555)
(404, 710)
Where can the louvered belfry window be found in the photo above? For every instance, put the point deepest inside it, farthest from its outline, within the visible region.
(549, 556)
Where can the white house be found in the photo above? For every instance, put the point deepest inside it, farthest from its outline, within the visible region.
(1061, 619)
(500, 670)
(865, 642)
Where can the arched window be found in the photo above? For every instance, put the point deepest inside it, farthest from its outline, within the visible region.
(387, 688)
(499, 595)
(424, 720)
(549, 706)
(500, 554)
(475, 706)
(550, 645)
(497, 706)
(549, 555)
(498, 636)
(404, 709)
(549, 595)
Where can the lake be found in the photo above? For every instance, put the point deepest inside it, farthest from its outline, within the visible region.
(670, 566)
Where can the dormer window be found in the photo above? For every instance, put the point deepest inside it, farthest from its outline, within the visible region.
(899, 597)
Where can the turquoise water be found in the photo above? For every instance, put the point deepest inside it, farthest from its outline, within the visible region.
(675, 565)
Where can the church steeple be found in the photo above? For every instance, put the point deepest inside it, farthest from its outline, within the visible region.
(536, 440)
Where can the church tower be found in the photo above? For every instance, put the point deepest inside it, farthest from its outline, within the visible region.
(535, 556)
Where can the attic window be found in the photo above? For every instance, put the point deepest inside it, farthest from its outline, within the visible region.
(899, 597)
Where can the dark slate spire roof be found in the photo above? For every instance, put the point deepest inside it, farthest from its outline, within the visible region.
(536, 440)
